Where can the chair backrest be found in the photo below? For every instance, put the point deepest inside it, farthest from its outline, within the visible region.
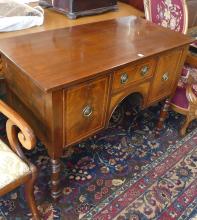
(171, 14)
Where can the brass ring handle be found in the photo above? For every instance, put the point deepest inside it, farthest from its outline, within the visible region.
(144, 70)
(165, 76)
(124, 78)
(87, 111)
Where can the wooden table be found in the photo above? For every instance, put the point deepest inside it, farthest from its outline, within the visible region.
(54, 20)
(67, 82)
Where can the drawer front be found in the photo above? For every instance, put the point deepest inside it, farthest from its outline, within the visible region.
(165, 75)
(133, 73)
(85, 109)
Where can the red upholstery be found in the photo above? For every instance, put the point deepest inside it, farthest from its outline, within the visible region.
(173, 14)
(180, 99)
(167, 13)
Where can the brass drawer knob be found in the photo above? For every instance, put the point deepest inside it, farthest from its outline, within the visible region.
(144, 70)
(124, 78)
(87, 111)
(165, 76)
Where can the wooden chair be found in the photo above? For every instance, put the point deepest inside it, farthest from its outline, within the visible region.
(173, 14)
(15, 169)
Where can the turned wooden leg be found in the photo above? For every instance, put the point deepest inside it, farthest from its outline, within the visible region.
(55, 178)
(29, 193)
(163, 115)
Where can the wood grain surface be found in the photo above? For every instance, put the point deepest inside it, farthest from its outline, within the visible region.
(54, 59)
(67, 82)
(54, 20)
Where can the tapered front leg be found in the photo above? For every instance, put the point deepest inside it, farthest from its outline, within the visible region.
(55, 178)
(163, 115)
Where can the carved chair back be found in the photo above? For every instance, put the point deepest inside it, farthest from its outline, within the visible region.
(171, 14)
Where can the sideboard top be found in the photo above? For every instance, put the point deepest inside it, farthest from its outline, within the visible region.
(54, 59)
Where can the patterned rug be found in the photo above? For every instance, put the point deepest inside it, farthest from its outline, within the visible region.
(122, 173)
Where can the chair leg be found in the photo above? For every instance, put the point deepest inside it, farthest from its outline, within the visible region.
(29, 193)
(162, 117)
(184, 127)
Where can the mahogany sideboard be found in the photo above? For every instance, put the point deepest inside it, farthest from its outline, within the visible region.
(67, 82)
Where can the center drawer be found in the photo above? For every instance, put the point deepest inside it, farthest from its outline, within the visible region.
(133, 73)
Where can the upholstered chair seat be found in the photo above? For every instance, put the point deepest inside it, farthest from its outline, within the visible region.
(180, 99)
(184, 100)
(12, 167)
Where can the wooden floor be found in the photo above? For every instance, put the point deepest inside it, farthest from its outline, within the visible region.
(54, 20)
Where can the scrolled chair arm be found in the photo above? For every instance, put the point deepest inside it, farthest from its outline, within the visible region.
(18, 131)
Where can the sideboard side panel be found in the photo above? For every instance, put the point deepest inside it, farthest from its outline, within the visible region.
(27, 99)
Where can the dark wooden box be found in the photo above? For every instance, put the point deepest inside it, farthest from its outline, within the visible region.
(76, 8)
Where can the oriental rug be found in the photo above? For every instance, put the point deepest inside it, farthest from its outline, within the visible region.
(122, 173)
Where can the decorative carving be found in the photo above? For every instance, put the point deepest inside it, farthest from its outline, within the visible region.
(26, 138)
